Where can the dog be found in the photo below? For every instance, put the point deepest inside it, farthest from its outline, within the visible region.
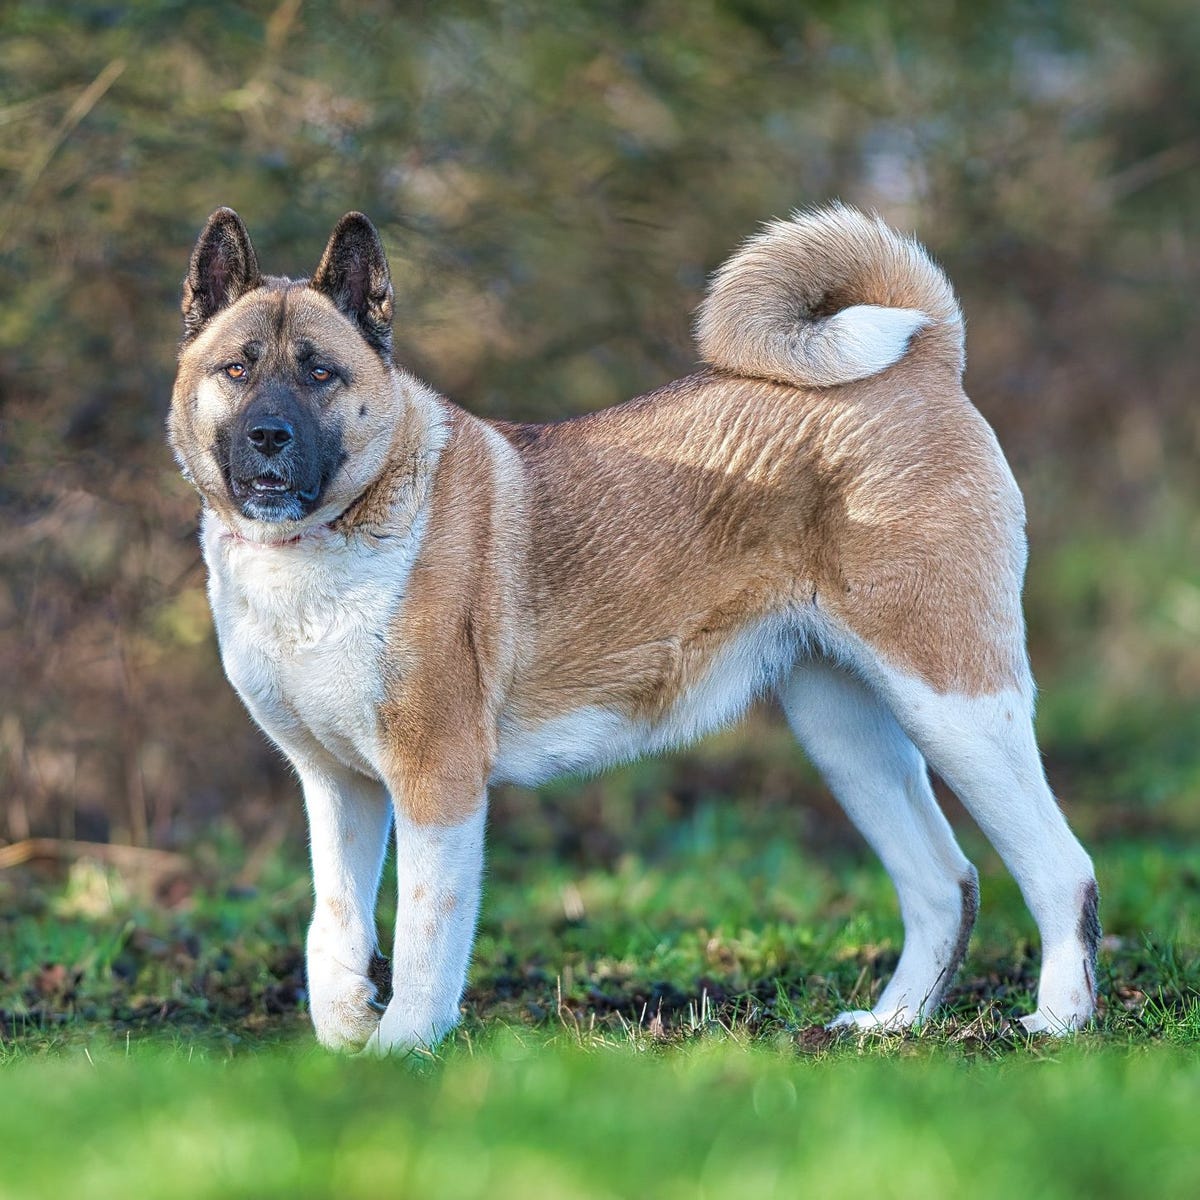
(415, 603)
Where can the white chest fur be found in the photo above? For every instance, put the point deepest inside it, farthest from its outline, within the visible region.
(302, 630)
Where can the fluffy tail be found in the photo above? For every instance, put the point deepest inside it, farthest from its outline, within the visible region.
(826, 298)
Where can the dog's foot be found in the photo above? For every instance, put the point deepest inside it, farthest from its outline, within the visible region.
(872, 1022)
(1055, 1026)
(342, 1004)
(409, 1029)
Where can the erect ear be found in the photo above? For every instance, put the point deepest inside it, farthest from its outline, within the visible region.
(354, 275)
(223, 268)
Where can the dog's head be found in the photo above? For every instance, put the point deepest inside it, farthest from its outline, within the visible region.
(285, 400)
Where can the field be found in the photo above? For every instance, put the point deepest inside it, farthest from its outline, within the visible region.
(645, 1018)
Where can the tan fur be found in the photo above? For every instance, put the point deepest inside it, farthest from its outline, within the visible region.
(661, 527)
(765, 308)
(450, 646)
(604, 561)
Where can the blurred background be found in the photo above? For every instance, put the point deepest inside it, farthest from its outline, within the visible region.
(554, 182)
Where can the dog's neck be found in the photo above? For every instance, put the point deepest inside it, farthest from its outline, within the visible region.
(389, 505)
(307, 535)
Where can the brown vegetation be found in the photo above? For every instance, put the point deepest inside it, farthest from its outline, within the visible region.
(554, 183)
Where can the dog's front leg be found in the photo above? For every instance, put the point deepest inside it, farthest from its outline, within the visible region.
(439, 868)
(348, 817)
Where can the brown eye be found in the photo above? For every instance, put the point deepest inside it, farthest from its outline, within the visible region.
(235, 371)
(321, 374)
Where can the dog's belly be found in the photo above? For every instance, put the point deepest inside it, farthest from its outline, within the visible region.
(593, 736)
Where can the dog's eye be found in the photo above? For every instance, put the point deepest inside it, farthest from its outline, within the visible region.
(320, 374)
(236, 371)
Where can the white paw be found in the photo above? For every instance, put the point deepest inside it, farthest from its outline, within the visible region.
(342, 1006)
(406, 1029)
(872, 1022)
(1055, 1026)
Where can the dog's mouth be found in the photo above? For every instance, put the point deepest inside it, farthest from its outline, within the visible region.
(261, 486)
(273, 497)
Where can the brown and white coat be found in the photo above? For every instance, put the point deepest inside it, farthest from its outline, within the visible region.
(819, 513)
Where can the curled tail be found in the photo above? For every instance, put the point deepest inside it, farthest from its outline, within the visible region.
(827, 297)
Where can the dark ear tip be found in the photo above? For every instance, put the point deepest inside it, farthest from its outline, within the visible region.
(224, 216)
(356, 221)
(224, 226)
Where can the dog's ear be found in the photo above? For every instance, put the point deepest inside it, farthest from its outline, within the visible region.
(223, 268)
(354, 275)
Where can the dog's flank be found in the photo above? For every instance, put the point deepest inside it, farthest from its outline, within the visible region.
(414, 602)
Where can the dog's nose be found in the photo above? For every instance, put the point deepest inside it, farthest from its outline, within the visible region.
(270, 435)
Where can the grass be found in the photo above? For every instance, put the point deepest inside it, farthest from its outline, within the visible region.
(644, 1019)
(517, 1115)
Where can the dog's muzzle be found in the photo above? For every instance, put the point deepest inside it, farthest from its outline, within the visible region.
(274, 469)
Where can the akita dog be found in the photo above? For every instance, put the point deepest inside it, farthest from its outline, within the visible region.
(415, 603)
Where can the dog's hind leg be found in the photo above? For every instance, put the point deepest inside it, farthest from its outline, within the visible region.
(879, 778)
(348, 818)
(984, 748)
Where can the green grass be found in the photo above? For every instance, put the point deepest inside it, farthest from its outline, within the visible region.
(643, 1020)
(722, 908)
(520, 1115)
